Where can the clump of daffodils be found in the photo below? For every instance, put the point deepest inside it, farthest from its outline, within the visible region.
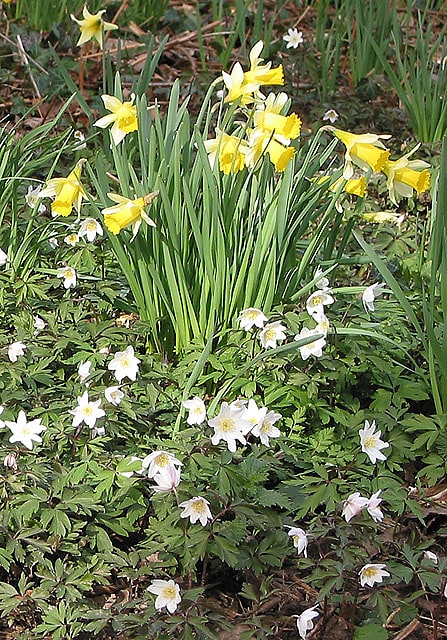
(267, 131)
(366, 154)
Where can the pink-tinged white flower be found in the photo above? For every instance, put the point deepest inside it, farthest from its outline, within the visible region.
(69, 276)
(84, 370)
(72, 239)
(166, 480)
(371, 443)
(3, 258)
(429, 555)
(114, 395)
(314, 348)
(331, 115)
(353, 505)
(196, 509)
(197, 410)
(251, 317)
(373, 507)
(271, 333)
(168, 594)
(316, 302)
(15, 350)
(87, 411)
(293, 38)
(299, 538)
(90, 228)
(266, 428)
(370, 294)
(159, 461)
(10, 461)
(229, 425)
(304, 622)
(25, 432)
(372, 573)
(125, 364)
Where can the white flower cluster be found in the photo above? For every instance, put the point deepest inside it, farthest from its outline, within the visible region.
(235, 421)
(272, 332)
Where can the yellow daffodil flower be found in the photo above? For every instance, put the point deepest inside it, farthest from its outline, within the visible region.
(354, 186)
(227, 150)
(269, 118)
(123, 117)
(243, 86)
(127, 212)
(364, 150)
(404, 176)
(236, 86)
(93, 26)
(67, 192)
(260, 142)
(262, 74)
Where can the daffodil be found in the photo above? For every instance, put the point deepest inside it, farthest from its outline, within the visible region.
(93, 26)
(67, 192)
(261, 142)
(244, 86)
(228, 150)
(268, 117)
(364, 150)
(237, 87)
(404, 176)
(127, 212)
(262, 74)
(123, 117)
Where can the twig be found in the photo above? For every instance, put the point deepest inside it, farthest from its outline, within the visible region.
(25, 61)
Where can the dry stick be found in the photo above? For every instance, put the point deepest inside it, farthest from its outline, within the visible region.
(122, 8)
(25, 61)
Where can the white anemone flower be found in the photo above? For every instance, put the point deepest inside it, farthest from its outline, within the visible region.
(114, 395)
(266, 428)
(197, 410)
(304, 621)
(371, 443)
(317, 301)
(299, 538)
(90, 228)
(87, 411)
(159, 461)
(373, 507)
(125, 364)
(15, 350)
(229, 425)
(251, 317)
(314, 348)
(168, 594)
(293, 38)
(25, 432)
(370, 294)
(196, 509)
(84, 370)
(3, 258)
(372, 573)
(331, 115)
(271, 333)
(69, 276)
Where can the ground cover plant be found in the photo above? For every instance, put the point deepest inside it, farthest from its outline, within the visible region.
(223, 321)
